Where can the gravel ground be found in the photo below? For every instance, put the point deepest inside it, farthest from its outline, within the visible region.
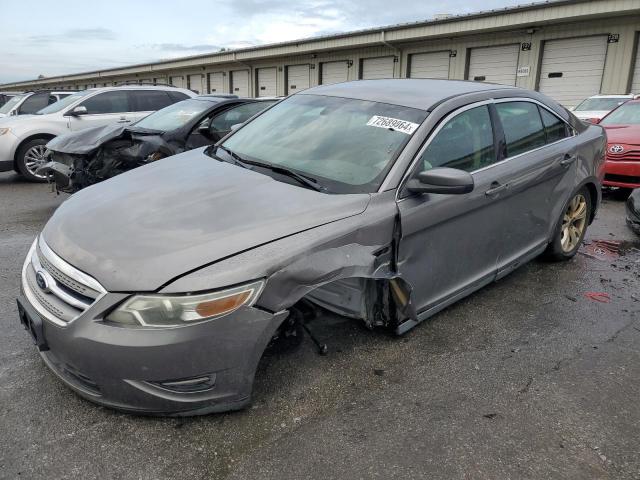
(527, 378)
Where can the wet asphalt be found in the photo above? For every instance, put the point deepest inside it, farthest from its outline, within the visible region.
(526, 379)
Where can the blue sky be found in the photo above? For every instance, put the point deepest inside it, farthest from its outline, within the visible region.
(54, 38)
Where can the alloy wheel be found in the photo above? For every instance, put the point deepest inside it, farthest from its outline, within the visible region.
(34, 158)
(573, 223)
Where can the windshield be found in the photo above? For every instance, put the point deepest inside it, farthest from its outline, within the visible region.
(12, 102)
(64, 103)
(627, 114)
(346, 145)
(600, 104)
(174, 116)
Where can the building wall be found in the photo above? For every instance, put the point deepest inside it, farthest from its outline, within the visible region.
(619, 62)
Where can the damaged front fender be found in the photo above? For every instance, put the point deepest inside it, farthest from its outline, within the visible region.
(347, 266)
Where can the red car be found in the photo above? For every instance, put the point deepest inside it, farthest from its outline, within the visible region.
(622, 168)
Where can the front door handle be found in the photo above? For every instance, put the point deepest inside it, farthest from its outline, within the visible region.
(568, 160)
(496, 187)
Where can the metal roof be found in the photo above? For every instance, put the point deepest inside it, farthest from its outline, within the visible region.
(417, 93)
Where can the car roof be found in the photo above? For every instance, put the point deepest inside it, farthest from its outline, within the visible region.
(423, 94)
(630, 95)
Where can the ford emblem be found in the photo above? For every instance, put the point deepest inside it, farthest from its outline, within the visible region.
(42, 282)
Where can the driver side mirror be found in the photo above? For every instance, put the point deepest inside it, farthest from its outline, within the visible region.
(80, 110)
(441, 180)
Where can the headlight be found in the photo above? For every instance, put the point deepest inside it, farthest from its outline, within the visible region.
(4, 130)
(180, 310)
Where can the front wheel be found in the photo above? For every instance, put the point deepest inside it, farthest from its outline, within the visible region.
(571, 227)
(30, 157)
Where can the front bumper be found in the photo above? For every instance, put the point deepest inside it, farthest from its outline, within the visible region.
(187, 370)
(7, 151)
(621, 173)
(146, 370)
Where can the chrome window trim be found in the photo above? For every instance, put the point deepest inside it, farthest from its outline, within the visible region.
(470, 106)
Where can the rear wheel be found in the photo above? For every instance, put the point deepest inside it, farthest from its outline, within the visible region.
(571, 227)
(30, 157)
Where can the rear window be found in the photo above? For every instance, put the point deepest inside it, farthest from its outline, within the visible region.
(600, 104)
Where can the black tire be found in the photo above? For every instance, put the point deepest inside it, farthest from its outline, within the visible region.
(556, 251)
(21, 161)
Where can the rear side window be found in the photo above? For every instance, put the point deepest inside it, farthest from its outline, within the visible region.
(149, 100)
(108, 102)
(465, 142)
(522, 126)
(554, 128)
(34, 103)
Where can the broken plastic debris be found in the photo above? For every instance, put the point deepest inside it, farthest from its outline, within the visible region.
(601, 297)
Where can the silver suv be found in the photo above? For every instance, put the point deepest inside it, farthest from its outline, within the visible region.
(31, 102)
(23, 138)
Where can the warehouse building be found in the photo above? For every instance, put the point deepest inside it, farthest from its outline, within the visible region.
(568, 50)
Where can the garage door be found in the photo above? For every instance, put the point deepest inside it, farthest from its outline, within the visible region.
(381, 67)
(177, 81)
(215, 82)
(572, 69)
(334, 72)
(494, 64)
(429, 65)
(267, 82)
(635, 82)
(298, 78)
(239, 82)
(194, 82)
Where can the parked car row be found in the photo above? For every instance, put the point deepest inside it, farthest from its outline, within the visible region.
(158, 290)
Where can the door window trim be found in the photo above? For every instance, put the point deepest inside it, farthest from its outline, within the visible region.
(489, 103)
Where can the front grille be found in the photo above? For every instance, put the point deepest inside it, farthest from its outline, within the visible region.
(627, 155)
(56, 289)
(621, 178)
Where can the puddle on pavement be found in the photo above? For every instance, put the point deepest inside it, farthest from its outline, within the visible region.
(611, 250)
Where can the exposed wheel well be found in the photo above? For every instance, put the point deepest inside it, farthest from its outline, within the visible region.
(593, 193)
(45, 136)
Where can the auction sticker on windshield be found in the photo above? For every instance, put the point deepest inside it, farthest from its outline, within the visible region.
(393, 123)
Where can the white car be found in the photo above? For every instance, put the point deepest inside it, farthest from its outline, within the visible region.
(23, 138)
(31, 102)
(593, 109)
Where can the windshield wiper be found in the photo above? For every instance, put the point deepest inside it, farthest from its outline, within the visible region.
(243, 162)
(235, 157)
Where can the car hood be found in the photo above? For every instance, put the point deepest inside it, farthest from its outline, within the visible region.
(590, 114)
(628, 134)
(138, 231)
(89, 139)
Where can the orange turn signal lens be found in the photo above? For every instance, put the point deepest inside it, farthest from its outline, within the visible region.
(220, 306)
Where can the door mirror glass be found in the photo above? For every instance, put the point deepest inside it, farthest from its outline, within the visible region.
(81, 110)
(441, 180)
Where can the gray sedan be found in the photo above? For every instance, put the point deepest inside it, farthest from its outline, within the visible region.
(158, 291)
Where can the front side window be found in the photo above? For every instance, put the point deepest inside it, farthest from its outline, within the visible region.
(35, 102)
(236, 115)
(627, 114)
(174, 116)
(465, 142)
(149, 100)
(346, 145)
(108, 102)
(64, 103)
(522, 126)
(11, 103)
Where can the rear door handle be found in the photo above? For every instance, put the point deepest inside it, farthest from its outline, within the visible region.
(496, 187)
(568, 160)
